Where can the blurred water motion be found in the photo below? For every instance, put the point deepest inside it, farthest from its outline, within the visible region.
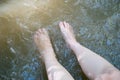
(96, 24)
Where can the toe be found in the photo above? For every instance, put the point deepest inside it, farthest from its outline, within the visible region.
(61, 24)
(37, 33)
(35, 37)
(65, 24)
(68, 24)
(44, 31)
(39, 30)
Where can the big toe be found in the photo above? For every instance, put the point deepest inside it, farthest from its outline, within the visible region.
(65, 24)
(35, 36)
(61, 25)
(44, 31)
(40, 31)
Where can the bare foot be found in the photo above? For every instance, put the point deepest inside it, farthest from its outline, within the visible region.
(42, 41)
(67, 33)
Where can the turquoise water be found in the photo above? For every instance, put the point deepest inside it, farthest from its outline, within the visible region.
(96, 24)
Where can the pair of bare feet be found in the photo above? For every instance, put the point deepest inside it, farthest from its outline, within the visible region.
(42, 39)
(54, 69)
(99, 68)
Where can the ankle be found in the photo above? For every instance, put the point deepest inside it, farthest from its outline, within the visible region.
(49, 59)
(48, 55)
(45, 51)
(74, 44)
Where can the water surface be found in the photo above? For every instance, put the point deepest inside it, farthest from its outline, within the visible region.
(96, 24)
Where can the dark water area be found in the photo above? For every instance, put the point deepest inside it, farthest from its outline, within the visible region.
(96, 24)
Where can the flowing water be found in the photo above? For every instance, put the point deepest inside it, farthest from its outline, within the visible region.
(96, 24)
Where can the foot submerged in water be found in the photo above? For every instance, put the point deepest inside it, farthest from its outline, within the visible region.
(42, 41)
(67, 32)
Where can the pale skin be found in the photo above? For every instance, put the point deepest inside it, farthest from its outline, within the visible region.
(94, 66)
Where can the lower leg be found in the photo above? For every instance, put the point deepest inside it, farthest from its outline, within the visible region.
(54, 69)
(92, 64)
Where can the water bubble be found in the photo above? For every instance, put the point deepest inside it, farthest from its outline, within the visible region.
(77, 2)
(12, 50)
(66, 1)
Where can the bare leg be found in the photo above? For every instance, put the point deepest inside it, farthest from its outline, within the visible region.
(54, 69)
(93, 65)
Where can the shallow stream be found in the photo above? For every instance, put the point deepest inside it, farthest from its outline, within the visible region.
(96, 24)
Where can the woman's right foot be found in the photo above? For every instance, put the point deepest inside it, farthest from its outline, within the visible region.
(67, 33)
